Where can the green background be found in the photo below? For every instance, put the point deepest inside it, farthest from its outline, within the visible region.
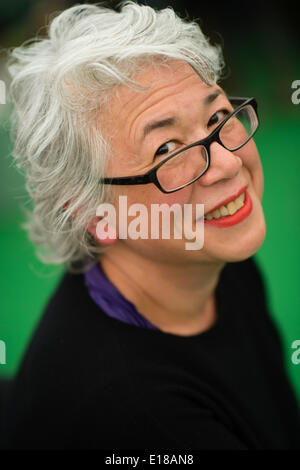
(261, 65)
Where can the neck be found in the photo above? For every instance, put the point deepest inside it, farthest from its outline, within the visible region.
(179, 299)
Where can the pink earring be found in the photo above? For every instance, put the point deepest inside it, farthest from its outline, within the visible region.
(107, 237)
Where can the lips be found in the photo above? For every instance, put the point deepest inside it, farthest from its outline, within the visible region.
(227, 200)
(234, 219)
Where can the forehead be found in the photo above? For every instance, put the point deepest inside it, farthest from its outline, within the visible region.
(170, 85)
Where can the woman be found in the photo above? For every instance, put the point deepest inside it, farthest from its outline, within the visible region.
(148, 341)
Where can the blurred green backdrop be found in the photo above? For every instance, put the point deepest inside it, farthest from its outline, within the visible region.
(262, 53)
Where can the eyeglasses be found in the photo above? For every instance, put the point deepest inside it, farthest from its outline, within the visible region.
(188, 164)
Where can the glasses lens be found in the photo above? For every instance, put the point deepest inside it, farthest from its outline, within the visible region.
(239, 128)
(184, 168)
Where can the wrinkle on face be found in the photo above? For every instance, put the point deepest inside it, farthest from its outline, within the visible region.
(129, 110)
(180, 92)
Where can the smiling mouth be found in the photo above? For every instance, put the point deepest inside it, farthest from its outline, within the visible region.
(228, 209)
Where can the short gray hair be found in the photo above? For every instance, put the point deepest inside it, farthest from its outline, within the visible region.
(89, 49)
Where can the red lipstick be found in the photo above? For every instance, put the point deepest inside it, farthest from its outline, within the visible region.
(239, 216)
(229, 199)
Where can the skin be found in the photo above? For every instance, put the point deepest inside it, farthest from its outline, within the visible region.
(175, 288)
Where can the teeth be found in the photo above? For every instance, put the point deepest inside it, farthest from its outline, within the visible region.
(228, 209)
(216, 214)
(224, 211)
(231, 207)
(239, 203)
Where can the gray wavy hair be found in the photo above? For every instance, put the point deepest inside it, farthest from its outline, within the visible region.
(60, 84)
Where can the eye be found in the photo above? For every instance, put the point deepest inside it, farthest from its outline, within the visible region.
(166, 148)
(218, 117)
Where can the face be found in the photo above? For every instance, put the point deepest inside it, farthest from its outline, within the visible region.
(180, 98)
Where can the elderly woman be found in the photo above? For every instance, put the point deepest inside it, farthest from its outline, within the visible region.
(150, 340)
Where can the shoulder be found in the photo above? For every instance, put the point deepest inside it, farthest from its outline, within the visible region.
(249, 270)
(70, 327)
(250, 283)
(70, 366)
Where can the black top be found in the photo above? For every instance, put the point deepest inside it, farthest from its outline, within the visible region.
(91, 381)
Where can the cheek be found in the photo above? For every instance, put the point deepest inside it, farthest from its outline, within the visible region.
(260, 181)
(150, 194)
(251, 161)
(147, 195)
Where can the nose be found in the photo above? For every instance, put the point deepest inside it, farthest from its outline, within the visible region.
(223, 165)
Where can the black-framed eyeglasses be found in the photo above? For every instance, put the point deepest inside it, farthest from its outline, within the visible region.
(188, 164)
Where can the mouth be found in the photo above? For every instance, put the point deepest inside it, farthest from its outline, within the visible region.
(227, 209)
(233, 210)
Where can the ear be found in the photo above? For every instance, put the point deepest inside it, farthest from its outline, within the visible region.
(102, 231)
(66, 205)
(99, 228)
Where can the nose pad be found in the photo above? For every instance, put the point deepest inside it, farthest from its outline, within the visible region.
(223, 165)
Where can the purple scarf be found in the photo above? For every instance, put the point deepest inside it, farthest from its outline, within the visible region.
(111, 301)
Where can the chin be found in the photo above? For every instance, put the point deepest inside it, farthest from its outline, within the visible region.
(247, 247)
(242, 244)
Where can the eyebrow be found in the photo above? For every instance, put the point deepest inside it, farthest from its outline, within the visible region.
(172, 121)
(210, 98)
(168, 122)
